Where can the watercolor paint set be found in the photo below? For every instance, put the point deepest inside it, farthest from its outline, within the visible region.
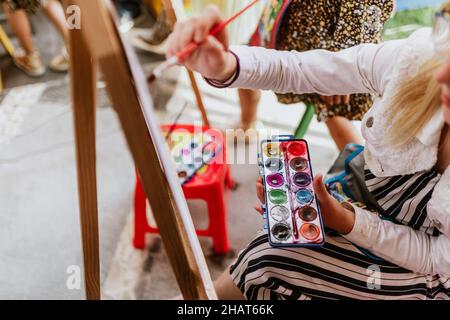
(292, 212)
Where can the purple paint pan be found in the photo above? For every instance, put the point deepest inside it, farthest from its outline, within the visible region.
(301, 179)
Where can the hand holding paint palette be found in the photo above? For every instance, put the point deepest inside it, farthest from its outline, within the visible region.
(292, 212)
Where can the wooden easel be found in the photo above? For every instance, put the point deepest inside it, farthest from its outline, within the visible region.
(98, 42)
(9, 48)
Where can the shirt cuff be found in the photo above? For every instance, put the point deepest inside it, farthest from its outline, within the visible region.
(363, 233)
(229, 82)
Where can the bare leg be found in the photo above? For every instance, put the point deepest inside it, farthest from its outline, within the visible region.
(249, 100)
(55, 12)
(226, 289)
(343, 132)
(20, 26)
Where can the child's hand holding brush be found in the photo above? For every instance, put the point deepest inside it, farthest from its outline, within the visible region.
(211, 58)
(201, 44)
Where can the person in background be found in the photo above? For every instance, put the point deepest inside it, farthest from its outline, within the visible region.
(319, 24)
(29, 60)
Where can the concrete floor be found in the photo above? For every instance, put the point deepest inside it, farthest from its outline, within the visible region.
(39, 228)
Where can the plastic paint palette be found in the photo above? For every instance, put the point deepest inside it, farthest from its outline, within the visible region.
(190, 152)
(292, 212)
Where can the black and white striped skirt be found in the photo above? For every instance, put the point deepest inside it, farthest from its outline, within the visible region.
(338, 270)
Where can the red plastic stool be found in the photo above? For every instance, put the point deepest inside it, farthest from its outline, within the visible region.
(209, 184)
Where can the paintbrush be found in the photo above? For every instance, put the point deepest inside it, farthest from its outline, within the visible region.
(191, 47)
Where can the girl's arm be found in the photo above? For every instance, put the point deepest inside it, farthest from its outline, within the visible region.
(361, 69)
(401, 245)
(408, 248)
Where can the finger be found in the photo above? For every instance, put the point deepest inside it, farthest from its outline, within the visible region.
(260, 188)
(186, 35)
(212, 18)
(204, 24)
(347, 99)
(212, 45)
(328, 100)
(171, 44)
(320, 189)
(260, 192)
(337, 99)
(214, 42)
(259, 184)
(201, 30)
(259, 209)
(175, 36)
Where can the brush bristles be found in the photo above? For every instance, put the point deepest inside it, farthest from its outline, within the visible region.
(158, 71)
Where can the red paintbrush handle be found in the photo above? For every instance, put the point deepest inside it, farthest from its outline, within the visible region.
(191, 47)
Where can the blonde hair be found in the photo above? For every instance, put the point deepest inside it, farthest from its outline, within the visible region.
(416, 101)
(414, 104)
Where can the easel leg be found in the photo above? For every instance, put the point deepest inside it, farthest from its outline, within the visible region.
(6, 43)
(83, 82)
(198, 98)
(127, 94)
(9, 48)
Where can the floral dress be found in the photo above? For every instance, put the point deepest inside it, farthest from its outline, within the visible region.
(331, 25)
(30, 6)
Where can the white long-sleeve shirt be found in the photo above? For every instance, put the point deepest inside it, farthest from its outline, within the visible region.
(376, 69)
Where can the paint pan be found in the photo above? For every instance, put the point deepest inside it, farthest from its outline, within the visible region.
(272, 150)
(298, 164)
(310, 231)
(278, 196)
(304, 196)
(279, 213)
(307, 213)
(301, 179)
(275, 180)
(274, 164)
(297, 149)
(281, 231)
